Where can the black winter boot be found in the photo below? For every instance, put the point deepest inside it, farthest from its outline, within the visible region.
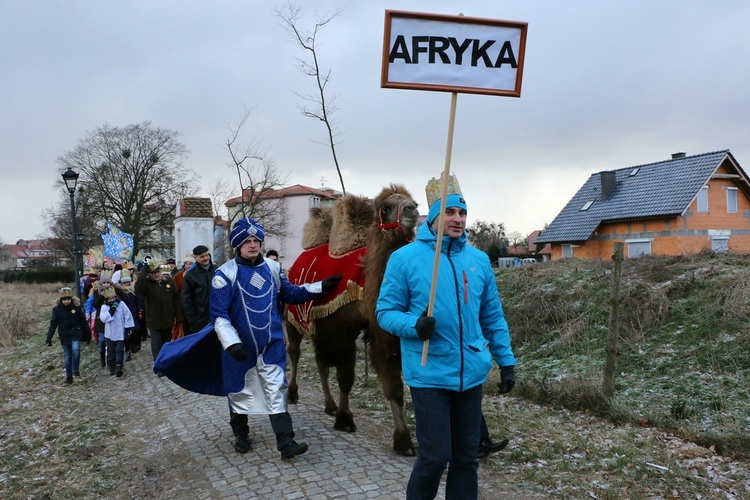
(292, 450)
(119, 370)
(102, 359)
(242, 444)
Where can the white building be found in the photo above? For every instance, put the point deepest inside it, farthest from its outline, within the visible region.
(298, 200)
(193, 226)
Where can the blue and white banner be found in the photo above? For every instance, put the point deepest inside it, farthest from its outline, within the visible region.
(117, 244)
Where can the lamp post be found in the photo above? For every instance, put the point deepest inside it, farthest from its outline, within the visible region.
(71, 179)
(80, 237)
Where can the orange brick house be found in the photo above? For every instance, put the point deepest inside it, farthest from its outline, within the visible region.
(685, 205)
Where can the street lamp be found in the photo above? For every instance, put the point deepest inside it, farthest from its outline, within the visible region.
(80, 237)
(71, 179)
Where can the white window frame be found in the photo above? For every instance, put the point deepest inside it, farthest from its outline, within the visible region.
(702, 200)
(732, 207)
(638, 243)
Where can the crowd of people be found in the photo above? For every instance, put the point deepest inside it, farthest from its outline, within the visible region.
(461, 327)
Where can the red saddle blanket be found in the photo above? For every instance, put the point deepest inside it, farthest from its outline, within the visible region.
(316, 264)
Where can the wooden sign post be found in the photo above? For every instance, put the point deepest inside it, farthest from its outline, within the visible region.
(451, 54)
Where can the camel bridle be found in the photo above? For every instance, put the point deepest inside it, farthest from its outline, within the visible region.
(385, 226)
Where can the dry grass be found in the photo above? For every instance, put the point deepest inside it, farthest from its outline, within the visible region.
(54, 438)
(24, 310)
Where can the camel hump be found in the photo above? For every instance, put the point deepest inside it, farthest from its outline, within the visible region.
(352, 216)
(317, 229)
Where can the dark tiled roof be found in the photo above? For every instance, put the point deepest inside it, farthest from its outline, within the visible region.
(657, 189)
(196, 207)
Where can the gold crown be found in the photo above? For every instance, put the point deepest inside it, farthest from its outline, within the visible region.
(435, 187)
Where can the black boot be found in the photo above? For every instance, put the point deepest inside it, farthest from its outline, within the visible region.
(292, 450)
(242, 444)
(128, 356)
(102, 359)
(118, 371)
(487, 447)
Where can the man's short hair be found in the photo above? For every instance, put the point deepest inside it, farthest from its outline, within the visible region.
(272, 252)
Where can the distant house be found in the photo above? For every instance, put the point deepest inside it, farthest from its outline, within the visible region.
(684, 205)
(299, 200)
(544, 252)
(24, 252)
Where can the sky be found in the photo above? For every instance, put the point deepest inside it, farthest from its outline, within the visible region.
(606, 85)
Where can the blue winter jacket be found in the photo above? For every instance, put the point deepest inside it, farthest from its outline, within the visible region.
(468, 313)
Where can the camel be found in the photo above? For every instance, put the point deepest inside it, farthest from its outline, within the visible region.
(355, 237)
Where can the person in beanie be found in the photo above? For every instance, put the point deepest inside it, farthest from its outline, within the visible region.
(466, 319)
(70, 322)
(161, 303)
(244, 308)
(117, 320)
(196, 290)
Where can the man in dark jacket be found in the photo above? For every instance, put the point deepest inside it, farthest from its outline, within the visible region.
(161, 301)
(196, 290)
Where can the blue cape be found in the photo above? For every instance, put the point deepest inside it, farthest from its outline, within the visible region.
(194, 362)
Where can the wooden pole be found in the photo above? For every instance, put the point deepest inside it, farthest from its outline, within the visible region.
(610, 364)
(441, 218)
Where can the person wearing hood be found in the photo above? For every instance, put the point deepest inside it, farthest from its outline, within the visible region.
(244, 312)
(70, 322)
(467, 318)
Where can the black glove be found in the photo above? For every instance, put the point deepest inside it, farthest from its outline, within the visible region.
(507, 379)
(49, 343)
(237, 351)
(425, 326)
(113, 309)
(330, 283)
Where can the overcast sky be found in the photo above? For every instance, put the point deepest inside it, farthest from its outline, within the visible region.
(606, 85)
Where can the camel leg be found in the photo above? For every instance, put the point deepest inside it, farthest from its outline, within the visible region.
(294, 341)
(386, 354)
(330, 404)
(345, 379)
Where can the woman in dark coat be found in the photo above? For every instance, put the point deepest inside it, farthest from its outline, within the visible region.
(70, 322)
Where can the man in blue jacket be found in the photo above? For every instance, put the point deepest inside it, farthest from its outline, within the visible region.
(467, 318)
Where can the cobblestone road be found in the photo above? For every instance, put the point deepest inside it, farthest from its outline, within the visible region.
(359, 465)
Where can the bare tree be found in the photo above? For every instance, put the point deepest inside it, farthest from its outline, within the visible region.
(132, 177)
(220, 190)
(516, 239)
(321, 108)
(258, 179)
(484, 235)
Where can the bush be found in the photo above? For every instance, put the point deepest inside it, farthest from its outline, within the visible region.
(44, 276)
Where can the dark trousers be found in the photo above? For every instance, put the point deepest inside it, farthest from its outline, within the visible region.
(158, 339)
(281, 423)
(115, 353)
(441, 413)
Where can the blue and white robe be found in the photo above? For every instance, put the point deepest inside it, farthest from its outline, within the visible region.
(245, 308)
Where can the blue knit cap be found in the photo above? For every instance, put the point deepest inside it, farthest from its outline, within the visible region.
(243, 229)
(452, 200)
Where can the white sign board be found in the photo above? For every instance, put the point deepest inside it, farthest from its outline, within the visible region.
(453, 53)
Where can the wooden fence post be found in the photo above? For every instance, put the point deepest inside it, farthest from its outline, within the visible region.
(610, 364)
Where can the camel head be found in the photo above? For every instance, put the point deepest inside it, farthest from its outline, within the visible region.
(395, 208)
